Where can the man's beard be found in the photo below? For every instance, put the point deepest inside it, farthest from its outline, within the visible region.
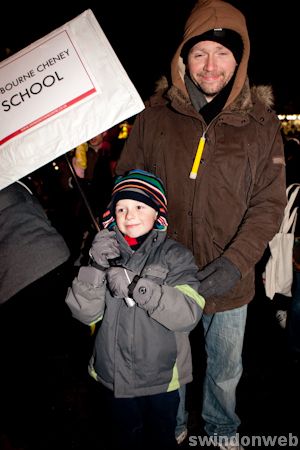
(210, 90)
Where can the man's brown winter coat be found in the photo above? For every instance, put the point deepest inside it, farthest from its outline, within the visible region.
(235, 205)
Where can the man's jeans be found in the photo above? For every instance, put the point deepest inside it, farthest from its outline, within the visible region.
(224, 336)
(182, 414)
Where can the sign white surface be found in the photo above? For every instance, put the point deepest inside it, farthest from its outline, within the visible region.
(48, 81)
(59, 92)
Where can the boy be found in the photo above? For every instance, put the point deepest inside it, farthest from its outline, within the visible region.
(143, 286)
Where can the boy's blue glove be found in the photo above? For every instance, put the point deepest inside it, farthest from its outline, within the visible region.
(104, 247)
(218, 277)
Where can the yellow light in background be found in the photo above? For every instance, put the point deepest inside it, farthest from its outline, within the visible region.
(290, 124)
(124, 130)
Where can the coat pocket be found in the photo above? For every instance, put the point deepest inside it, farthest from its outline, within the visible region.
(156, 273)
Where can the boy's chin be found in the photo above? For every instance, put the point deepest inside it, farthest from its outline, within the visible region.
(133, 235)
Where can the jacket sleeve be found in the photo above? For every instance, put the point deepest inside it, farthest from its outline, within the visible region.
(86, 296)
(266, 206)
(175, 304)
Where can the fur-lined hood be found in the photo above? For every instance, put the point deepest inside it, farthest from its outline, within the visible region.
(244, 101)
(207, 15)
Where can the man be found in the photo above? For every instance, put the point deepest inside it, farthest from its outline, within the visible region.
(227, 207)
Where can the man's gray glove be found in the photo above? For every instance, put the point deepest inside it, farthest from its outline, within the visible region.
(218, 277)
(104, 247)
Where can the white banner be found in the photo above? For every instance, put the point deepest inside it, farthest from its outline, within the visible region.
(59, 92)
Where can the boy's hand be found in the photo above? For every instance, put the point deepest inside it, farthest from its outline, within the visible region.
(104, 247)
(118, 282)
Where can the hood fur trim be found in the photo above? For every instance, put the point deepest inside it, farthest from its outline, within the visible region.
(244, 102)
(265, 94)
(161, 85)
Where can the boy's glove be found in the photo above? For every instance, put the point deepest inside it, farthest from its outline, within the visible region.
(104, 247)
(143, 291)
(146, 293)
(118, 282)
(218, 277)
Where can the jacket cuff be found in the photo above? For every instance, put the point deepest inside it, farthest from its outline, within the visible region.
(91, 275)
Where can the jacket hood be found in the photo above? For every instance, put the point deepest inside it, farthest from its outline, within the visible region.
(207, 15)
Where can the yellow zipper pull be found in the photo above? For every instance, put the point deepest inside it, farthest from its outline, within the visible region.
(197, 160)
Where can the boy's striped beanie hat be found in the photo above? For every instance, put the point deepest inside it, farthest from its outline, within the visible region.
(141, 186)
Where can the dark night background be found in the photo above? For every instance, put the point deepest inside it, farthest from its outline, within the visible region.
(145, 35)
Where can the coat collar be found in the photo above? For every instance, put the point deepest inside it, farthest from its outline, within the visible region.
(252, 101)
(155, 238)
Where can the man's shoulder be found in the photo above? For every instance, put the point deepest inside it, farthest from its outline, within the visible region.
(257, 101)
(155, 101)
(264, 94)
(160, 96)
(263, 101)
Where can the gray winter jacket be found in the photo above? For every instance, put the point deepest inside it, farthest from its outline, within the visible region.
(30, 246)
(141, 351)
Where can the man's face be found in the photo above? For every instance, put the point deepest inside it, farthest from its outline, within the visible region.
(211, 66)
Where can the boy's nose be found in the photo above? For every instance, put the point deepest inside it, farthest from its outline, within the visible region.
(130, 214)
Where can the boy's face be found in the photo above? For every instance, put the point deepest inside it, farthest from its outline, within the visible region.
(134, 218)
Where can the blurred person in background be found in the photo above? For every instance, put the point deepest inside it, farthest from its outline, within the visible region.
(34, 275)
